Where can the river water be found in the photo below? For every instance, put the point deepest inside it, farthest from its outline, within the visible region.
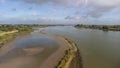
(99, 49)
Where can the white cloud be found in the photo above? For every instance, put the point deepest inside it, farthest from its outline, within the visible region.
(100, 7)
(105, 3)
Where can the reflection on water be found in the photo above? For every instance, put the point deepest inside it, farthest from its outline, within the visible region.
(29, 51)
(99, 49)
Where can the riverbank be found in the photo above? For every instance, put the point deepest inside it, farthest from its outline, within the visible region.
(10, 36)
(7, 36)
(9, 32)
(70, 58)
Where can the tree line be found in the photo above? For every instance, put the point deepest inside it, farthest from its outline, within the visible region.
(19, 27)
(101, 27)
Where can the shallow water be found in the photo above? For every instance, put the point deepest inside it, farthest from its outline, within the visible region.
(99, 49)
(27, 51)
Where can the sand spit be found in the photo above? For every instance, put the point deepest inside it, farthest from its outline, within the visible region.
(71, 58)
(52, 61)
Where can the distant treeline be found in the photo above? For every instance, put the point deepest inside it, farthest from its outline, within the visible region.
(20, 27)
(24, 27)
(100, 27)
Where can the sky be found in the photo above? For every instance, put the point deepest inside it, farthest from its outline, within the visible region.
(60, 12)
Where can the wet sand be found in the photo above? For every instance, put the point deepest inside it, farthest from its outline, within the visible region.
(52, 61)
(35, 57)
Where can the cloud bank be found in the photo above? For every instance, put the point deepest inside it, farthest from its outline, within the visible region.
(99, 7)
(98, 3)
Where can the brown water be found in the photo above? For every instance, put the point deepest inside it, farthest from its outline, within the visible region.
(27, 51)
(99, 49)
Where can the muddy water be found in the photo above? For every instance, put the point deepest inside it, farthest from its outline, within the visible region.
(99, 49)
(28, 51)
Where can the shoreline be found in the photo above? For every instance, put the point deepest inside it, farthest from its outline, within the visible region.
(9, 36)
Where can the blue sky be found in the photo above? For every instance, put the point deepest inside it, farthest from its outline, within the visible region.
(59, 11)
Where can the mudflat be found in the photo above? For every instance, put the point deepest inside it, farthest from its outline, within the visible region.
(34, 57)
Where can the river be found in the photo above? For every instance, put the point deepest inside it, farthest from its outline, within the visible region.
(99, 49)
